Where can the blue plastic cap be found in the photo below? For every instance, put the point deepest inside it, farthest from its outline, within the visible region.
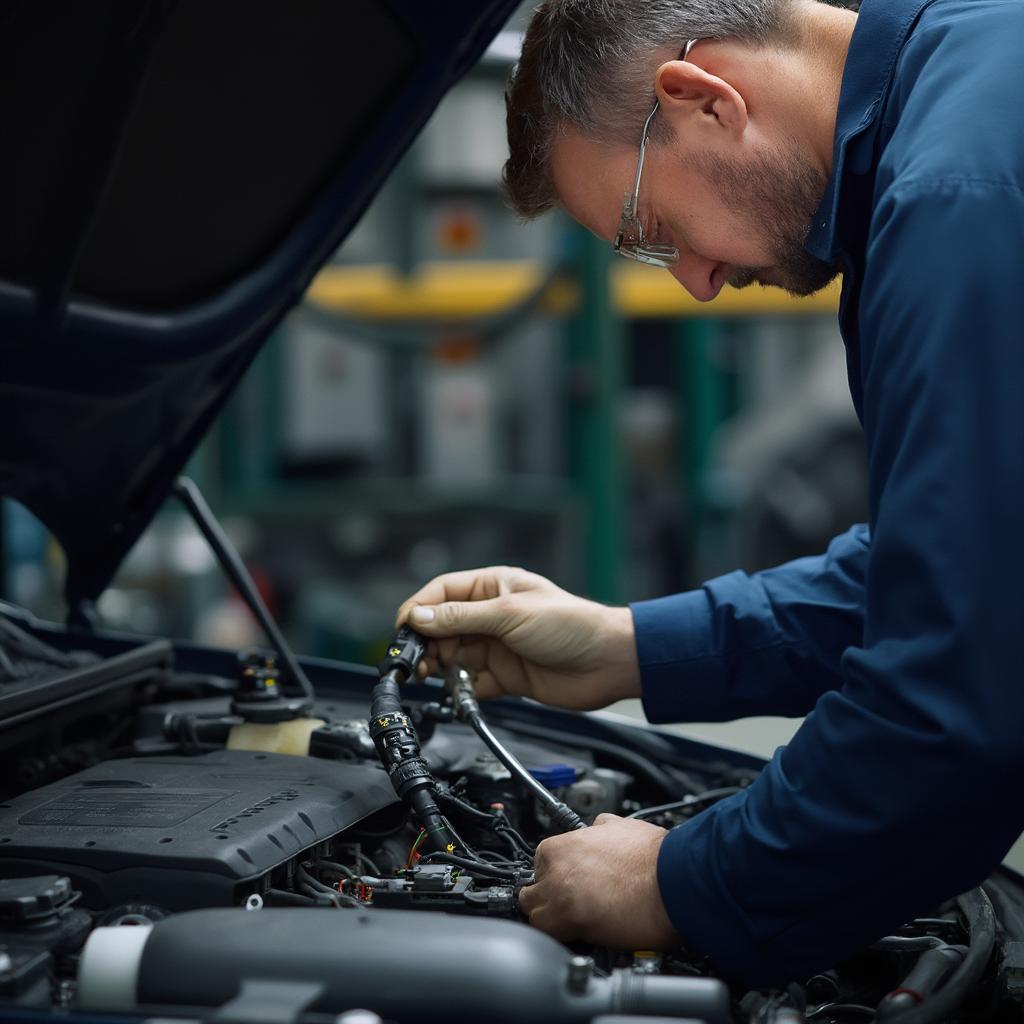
(554, 776)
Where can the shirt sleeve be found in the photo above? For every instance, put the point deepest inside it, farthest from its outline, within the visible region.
(767, 644)
(900, 788)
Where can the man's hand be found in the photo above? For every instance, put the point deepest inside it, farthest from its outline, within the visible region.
(600, 885)
(524, 636)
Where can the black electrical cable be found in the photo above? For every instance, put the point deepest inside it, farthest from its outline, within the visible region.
(517, 853)
(562, 816)
(340, 869)
(399, 750)
(688, 802)
(981, 926)
(234, 568)
(196, 732)
(641, 766)
(459, 683)
(497, 823)
(305, 877)
(497, 859)
(290, 899)
(319, 897)
(369, 864)
(933, 968)
(397, 744)
(316, 888)
(473, 867)
(446, 796)
(308, 882)
(508, 832)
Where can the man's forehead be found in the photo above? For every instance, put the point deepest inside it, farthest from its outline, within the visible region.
(590, 179)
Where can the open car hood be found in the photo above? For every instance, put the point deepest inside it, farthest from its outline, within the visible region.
(175, 173)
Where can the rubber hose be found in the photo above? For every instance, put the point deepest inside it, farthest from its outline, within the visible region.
(981, 925)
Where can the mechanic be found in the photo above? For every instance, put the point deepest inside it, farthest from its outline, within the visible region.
(792, 141)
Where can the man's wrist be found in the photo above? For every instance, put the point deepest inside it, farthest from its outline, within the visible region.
(620, 646)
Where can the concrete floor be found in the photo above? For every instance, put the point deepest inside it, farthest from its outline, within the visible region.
(761, 736)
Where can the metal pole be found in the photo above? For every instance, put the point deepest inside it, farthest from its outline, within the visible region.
(597, 361)
(702, 392)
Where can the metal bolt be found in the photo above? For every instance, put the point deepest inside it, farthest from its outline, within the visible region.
(254, 902)
(358, 1017)
(580, 970)
(6, 963)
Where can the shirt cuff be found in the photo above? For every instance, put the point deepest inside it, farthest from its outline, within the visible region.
(700, 906)
(682, 675)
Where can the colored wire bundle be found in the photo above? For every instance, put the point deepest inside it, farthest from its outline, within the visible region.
(410, 860)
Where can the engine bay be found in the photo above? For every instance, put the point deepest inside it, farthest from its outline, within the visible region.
(158, 853)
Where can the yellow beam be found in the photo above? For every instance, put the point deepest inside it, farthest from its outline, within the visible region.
(460, 291)
(641, 291)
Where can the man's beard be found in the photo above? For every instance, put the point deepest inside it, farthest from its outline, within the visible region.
(778, 195)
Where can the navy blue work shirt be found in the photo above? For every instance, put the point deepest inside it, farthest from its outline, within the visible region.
(903, 644)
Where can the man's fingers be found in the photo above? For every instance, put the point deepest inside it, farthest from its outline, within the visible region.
(457, 618)
(545, 913)
(452, 586)
(548, 918)
(469, 652)
(606, 819)
(541, 856)
(472, 654)
(427, 665)
(465, 585)
(447, 651)
(488, 687)
(528, 899)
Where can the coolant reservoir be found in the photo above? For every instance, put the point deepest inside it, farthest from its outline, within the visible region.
(291, 737)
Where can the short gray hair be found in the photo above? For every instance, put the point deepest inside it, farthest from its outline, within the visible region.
(590, 64)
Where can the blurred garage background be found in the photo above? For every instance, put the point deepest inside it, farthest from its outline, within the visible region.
(459, 389)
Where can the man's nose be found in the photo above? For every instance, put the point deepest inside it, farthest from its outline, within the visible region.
(701, 277)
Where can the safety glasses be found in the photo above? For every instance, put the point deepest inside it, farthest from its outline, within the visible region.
(630, 241)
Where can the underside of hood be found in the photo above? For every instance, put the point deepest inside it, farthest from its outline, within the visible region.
(174, 173)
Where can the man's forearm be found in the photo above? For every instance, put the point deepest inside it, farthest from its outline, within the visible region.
(744, 645)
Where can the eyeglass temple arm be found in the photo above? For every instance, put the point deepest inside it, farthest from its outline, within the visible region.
(645, 138)
(632, 199)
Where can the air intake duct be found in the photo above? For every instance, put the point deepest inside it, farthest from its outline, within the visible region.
(404, 965)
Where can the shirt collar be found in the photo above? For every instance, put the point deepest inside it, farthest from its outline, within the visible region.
(881, 30)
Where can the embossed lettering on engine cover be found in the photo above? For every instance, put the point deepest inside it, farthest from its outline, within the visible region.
(184, 832)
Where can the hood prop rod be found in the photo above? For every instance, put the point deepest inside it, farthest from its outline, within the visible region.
(234, 568)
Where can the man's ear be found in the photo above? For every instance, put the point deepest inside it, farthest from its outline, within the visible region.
(685, 89)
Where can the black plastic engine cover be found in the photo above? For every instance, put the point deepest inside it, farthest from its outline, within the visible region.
(184, 832)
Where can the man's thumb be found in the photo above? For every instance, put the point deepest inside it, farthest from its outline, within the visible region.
(459, 618)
